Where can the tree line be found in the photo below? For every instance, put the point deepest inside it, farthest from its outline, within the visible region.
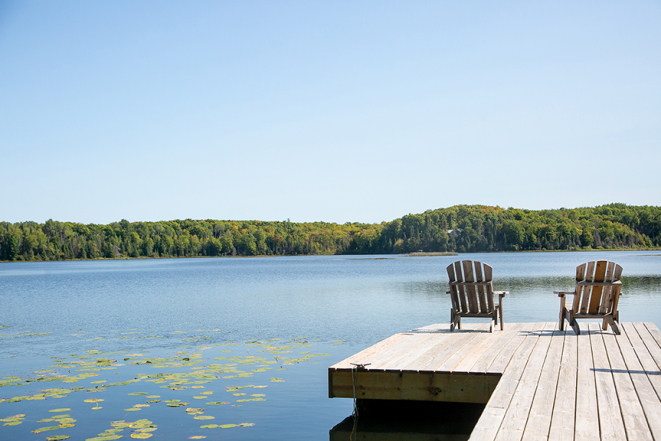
(462, 228)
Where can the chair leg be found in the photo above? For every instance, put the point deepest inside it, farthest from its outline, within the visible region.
(459, 321)
(561, 324)
(452, 319)
(500, 308)
(613, 323)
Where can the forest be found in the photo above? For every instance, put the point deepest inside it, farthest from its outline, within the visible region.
(461, 228)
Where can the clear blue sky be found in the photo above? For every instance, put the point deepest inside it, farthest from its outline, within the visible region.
(336, 111)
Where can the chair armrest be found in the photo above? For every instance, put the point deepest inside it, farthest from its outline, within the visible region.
(501, 293)
(563, 293)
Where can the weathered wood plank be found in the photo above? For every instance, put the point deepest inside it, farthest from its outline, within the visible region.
(518, 410)
(644, 388)
(469, 358)
(564, 409)
(383, 359)
(654, 331)
(431, 345)
(432, 359)
(650, 341)
(541, 410)
(414, 385)
(505, 356)
(488, 425)
(633, 415)
(587, 414)
(646, 361)
(608, 405)
(367, 354)
(451, 362)
(510, 379)
(437, 327)
(405, 354)
(486, 359)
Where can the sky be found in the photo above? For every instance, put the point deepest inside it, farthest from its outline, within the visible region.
(335, 111)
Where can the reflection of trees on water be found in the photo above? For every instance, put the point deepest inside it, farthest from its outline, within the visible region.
(533, 286)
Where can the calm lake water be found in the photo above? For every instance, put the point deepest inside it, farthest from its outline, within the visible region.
(247, 340)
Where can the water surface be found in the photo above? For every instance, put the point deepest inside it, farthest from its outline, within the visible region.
(320, 310)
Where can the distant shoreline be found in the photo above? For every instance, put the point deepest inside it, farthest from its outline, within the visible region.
(414, 254)
(442, 232)
(432, 253)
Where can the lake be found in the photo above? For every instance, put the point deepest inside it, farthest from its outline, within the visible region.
(236, 347)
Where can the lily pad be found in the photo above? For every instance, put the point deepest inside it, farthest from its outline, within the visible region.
(46, 429)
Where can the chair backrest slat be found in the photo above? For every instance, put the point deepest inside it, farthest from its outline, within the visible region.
(488, 277)
(480, 288)
(453, 288)
(460, 288)
(599, 276)
(471, 294)
(584, 295)
(606, 297)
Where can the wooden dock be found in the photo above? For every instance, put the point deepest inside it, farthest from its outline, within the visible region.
(538, 383)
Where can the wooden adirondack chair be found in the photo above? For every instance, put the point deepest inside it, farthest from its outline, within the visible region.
(471, 291)
(595, 297)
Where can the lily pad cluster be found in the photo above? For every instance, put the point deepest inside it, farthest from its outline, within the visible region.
(184, 376)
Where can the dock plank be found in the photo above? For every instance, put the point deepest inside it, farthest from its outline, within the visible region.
(633, 356)
(564, 408)
(519, 407)
(383, 359)
(611, 422)
(483, 363)
(648, 364)
(496, 340)
(402, 355)
(430, 345)
(541, 411)
(650, 342)
(505, 356)
(587, 413)
(633, 414)
(434, 358)
(367, 354)
(654, 331)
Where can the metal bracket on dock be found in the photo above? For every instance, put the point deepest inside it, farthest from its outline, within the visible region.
(360, 365)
